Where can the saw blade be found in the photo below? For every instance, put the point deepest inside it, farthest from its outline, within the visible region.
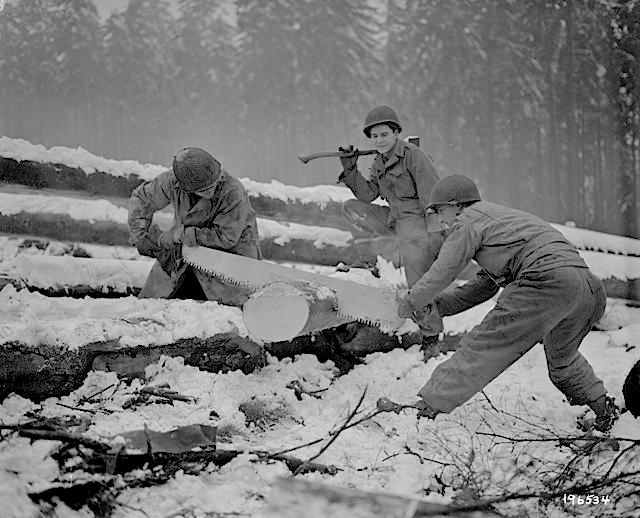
(367, 304)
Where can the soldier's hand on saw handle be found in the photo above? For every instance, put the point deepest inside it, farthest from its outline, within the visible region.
(405, 309)
(172, 237)
(350, 160)
(427, 318)
(148, 243)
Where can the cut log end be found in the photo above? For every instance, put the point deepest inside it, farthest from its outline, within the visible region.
(283, 310)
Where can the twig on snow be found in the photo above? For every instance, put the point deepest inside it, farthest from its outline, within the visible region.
(344, 426)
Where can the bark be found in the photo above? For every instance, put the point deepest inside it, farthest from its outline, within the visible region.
(284, 310)
(49, 370)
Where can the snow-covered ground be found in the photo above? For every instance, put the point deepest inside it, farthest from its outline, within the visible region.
(390, 453)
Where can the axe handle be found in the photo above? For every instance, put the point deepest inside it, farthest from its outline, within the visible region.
(306, 158)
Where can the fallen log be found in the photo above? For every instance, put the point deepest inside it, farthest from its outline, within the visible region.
(46, 370)
(77, 276)
(18, 164)
(291, 498)
(281, 311)
(63, 227)
(41, 175)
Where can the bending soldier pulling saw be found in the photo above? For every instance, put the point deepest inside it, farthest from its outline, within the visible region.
(549, 296)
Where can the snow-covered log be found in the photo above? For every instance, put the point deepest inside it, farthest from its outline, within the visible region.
(293, 497)
(59, 176)
(77, 276)
(49, 369)
(276, 246)
(281, 311)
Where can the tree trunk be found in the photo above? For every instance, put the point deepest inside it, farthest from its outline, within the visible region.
(286, 309)
(573, 177)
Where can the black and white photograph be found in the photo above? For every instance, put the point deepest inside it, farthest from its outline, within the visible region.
(319, 258)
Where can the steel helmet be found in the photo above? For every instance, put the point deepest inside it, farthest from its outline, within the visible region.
(453, 189)
(380, 115)
(195, 169)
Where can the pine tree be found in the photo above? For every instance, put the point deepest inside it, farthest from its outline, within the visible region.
(140, 45)
(306, 69)
(205, 77)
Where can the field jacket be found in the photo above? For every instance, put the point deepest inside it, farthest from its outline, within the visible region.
(226, 222)
(404, 181)
(507, 244)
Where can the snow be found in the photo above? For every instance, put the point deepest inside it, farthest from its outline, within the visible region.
(63, 271)
(318, 194)
(33, 319)
(622, 267)
(283, 233)
(14, 246)
(591, 240)
(75, 208)
(520, 403)
(22, 150)
(104, 210)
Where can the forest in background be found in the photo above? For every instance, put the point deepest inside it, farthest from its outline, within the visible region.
(537, 100)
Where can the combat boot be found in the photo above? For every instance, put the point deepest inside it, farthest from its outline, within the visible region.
(607, 415)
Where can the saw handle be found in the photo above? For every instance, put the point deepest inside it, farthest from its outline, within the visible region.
(306, 158)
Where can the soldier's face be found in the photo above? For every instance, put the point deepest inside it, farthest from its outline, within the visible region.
(447, 214)
(383, 137)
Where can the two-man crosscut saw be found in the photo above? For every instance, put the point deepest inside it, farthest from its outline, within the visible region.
(367, 304)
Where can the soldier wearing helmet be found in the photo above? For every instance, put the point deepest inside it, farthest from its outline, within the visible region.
(210, 208)
(549, 295)
(402, 175)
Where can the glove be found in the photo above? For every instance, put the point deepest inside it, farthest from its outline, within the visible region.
(405, 309)
(425, 410)
(170, 238)
(429, 320)
(147, 247)
(148, 243)
(349, 163)
(170, 259)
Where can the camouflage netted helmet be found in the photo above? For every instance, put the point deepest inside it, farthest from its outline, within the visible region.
(195, 169)
(380, 115)
(451, 190)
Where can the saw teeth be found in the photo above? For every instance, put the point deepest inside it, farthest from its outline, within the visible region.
(223, 278)
(365, 321)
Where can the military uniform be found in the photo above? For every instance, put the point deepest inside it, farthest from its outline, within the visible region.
(404, 178)
(226, 222)
(549, 296)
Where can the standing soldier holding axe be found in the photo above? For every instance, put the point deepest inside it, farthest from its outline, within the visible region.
(403, 175)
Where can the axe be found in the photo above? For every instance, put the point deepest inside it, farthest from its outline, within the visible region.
(306, 158)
